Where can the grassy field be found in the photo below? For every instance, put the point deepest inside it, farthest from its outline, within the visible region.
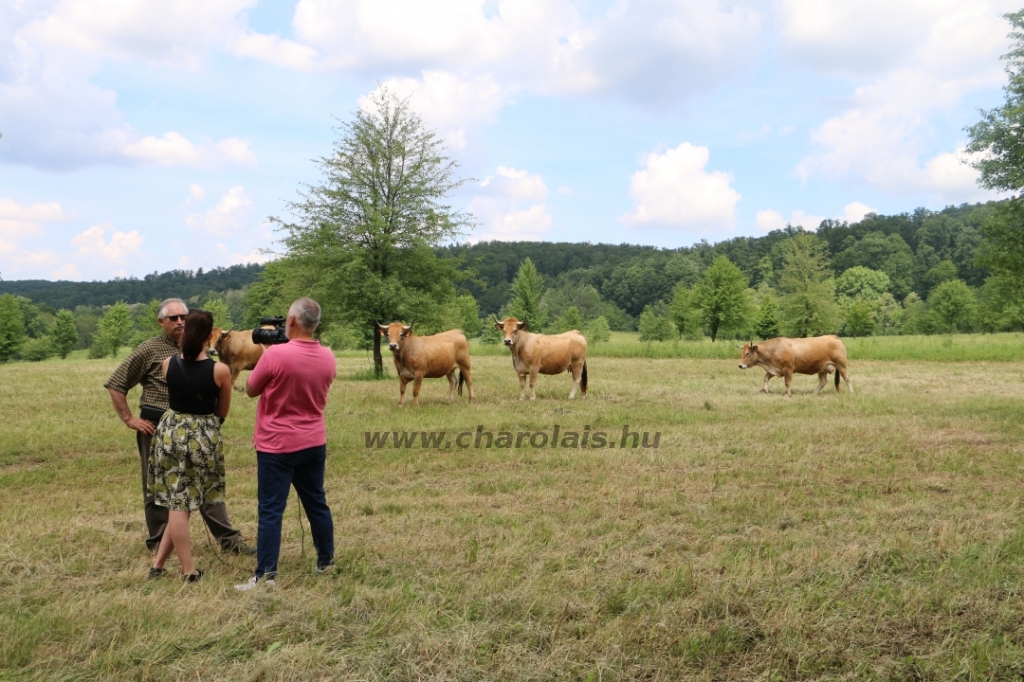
(869, 536)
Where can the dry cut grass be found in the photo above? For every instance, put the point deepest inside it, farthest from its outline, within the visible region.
(873, 536)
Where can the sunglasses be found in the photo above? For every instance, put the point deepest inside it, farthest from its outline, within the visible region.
(175, 318)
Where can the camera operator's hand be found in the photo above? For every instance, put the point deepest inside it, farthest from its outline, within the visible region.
(141, 425)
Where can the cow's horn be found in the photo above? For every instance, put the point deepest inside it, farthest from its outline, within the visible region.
(382, 327)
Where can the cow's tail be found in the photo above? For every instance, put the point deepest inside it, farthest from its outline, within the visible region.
(583, 378)
(837, 378)
(461, 379)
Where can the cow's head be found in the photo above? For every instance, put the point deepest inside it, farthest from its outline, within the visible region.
(749, 356)
(217, 335)
(395, 332)
(510, 328)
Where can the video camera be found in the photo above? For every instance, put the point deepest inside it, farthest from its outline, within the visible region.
(269, 337)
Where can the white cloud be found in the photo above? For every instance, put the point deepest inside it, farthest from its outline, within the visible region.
(227, 218)
(173, 149)
(68, 272)
(195, 191)
(120, 247)
(885, 138)
(657, 51)
(448, 103)
(675, 192)
(56, 118)
(855, 211)
(510, 206)
(20, 220)
(770, 219)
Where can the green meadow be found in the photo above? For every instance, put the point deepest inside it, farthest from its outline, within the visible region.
(876, 535)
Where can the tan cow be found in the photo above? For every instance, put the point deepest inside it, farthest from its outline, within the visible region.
(236, 350)
(427, 357)
(534, 354)
(782, 357)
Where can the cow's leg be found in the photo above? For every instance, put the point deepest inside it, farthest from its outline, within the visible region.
(416, 389)
(822, 380)
(845, 373)
(469, 382)
(451, 385)
(522, 386)
(788, 376)
(234, 380)
(764, 387)
(574, 370)
(533, 381)
(402, 383)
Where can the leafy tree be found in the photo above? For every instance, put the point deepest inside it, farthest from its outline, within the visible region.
(685, 314)
(115, 328)
(722, 297)
(887, 312)
(767, 324)
(953, 302)
(944, 271)
(363, 244)
(808, 306)
(859, 317)
(995, 141)
(65, 334)
(219, 309)
(861, 282)
(37, 350)
(32, 318)
(654, 326)
(12, 328)
(1003, 249)
(570, 319)
(635, 286)
(888, 253)
(598, 331)
(527, 289)
(914, 318)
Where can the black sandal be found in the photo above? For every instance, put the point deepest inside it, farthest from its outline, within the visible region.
(194, 577)
(155, 573)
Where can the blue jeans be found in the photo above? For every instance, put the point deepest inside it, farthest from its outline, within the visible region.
(275, 473)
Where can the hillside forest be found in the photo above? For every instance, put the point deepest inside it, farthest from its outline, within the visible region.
(913, 273)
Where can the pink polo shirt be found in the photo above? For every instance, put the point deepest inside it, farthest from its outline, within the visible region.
(292, 379)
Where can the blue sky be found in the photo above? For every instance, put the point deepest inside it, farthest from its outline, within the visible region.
(149, 136)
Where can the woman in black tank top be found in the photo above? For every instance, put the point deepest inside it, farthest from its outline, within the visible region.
(186, 467)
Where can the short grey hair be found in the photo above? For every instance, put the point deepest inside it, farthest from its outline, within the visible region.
(306, 312)
(162, 308)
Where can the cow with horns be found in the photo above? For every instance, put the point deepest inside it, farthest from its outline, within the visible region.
(782, 357)
(427, 357)
(534, 354)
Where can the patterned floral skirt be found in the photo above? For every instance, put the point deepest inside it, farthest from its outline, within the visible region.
(186, 466)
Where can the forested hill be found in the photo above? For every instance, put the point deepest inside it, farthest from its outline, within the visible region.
(184, 284)
(908, 247)
(915, 250)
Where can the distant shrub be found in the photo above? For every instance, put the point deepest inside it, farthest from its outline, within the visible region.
(37, 350)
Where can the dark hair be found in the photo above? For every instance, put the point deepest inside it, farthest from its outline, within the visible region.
(198, 325)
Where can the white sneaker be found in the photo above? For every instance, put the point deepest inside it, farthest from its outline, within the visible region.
(254, 582)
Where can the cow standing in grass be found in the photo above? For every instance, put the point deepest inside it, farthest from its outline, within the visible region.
(782, 357)
(427, 357)
(236, 350)
(534, 354)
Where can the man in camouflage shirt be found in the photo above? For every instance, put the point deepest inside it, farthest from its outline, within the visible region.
(144, 366)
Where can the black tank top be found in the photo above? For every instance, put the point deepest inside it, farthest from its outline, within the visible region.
(195, 394)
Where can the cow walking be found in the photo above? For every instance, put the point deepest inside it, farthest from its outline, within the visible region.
(534, 354)
(236, 350)
(781, 357)
(427, 357)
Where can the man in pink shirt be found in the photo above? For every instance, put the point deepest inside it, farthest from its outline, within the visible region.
(292, 381)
